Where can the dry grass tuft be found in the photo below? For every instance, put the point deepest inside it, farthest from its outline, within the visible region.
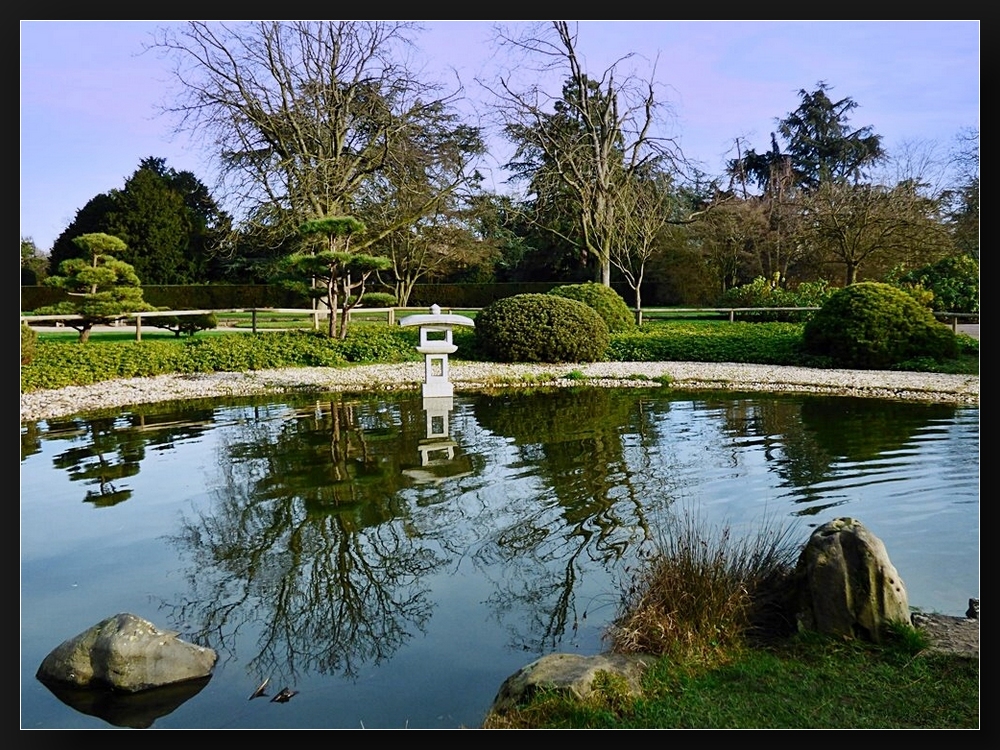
(703, 594)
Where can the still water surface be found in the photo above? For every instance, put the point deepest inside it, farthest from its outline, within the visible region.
(394, 559)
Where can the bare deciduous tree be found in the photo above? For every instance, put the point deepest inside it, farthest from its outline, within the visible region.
(875, 228)
(728, 237)
(304, 113)
(647, 207)
(586, 141)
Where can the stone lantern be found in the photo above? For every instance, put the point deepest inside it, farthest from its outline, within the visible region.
(436, 344)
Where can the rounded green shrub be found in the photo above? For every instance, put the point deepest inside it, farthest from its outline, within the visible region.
(954, 282)
(377, 299)
(876, 326)
(605, 300)
(541, 328)
(29, 343)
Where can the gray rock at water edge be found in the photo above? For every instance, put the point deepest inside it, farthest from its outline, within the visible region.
(127, 653)
(572, 674)
(847, 586)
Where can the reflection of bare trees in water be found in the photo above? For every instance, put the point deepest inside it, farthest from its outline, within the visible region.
(305, 547)
(318, 542)
(544, 550)
(320, 596)
(584, 503)
(347, 442)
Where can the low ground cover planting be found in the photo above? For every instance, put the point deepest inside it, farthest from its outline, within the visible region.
(57, 360)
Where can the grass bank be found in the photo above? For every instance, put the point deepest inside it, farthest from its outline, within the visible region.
(718, 615)
(802, 683)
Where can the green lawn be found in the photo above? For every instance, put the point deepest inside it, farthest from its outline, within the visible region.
(803, 683)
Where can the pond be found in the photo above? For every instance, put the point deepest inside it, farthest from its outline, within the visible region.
(393, 559)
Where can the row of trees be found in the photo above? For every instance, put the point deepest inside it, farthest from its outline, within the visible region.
(170, 224)
(320, 124)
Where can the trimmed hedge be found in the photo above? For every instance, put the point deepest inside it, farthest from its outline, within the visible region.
(876, 326)
(752, 343)
(58, 364)
(541, 328)
(604, 300)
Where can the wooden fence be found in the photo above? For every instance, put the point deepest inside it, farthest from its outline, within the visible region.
(392, 314)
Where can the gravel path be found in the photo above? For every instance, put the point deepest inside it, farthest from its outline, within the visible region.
(471, 376)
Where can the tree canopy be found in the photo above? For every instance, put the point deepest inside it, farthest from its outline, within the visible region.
(598, 134)
(962, 200)
(314, 120)
(306, 115)
(874, 227)
(820, 146)
(168, 220)
(101, 288)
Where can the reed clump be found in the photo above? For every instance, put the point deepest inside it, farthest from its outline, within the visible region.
(704, 593)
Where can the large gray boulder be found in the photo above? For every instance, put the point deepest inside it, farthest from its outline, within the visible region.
(127, 653)
(847, 586)
(571, 674)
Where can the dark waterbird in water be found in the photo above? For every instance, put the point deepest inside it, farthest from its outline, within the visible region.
(284, 695)
(259, 692)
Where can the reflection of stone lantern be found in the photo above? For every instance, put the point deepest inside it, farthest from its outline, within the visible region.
(437, 447)
(436, 344)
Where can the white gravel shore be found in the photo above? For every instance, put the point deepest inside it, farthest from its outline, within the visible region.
(472, 376)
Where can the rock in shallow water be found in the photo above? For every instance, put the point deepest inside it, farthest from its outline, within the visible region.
(127, 653)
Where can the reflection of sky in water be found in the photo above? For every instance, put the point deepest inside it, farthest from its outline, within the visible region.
(520, 540)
